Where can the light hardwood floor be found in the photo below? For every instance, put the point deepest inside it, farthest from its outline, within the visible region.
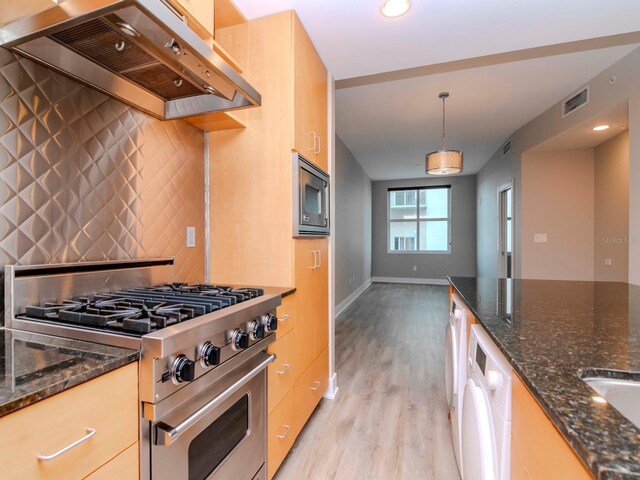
(389, 421)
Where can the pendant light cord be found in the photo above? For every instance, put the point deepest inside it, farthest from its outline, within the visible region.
(442, 142)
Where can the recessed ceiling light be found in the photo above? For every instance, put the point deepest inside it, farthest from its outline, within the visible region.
(395, 8)
(599, 128)
(598, 399)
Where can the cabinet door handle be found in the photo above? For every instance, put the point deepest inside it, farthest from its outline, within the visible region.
(90, 433)
(284, 318)
(315, 259)
(315, 137)
(317, 386)
(318, 149)
(319, 257)
(284, 370)
(287, 429)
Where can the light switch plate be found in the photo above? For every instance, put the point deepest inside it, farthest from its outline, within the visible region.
(607, 262)
(540, 238)
(191, 237)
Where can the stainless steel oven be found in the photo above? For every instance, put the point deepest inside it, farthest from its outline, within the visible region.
(215, 431)
(310, 198)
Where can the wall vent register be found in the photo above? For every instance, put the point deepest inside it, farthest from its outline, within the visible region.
(575, 102)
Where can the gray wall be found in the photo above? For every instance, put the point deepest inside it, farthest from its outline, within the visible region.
(84, 177)
(352, 223)
(462, 259)
(499, 170)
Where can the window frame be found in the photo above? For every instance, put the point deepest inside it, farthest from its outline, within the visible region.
(418, 220)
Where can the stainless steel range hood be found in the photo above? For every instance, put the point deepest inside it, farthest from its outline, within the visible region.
(138, 51)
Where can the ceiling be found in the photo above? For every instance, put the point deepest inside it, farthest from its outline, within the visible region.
(503, 62)
(582, 135)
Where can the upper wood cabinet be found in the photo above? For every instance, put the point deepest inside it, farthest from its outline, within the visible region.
(310, 99)
(200, 15)
(252, 168)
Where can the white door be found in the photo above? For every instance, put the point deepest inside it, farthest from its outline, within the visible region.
(505, 231)
(479, 460)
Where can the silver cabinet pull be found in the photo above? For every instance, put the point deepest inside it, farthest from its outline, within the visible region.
(284, 370)
(315, 259)
(313, 134)
(166, 434)
(319, 257)
(317, 386)
(318, 149)
(284, 318)
(287, 429)
(90, 433)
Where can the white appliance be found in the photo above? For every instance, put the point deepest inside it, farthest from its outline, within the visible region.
(456, 369)
(486, 411)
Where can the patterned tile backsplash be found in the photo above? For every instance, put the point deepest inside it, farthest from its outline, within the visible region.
(84, 177)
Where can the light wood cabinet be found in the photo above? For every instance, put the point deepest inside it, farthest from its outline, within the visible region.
(283, 372)
(200, 15)
(310, 99)
(107, 405)
(312, 277)
(542, 451)
(125, 466)
(310, 387)
(286, 314)
(251, 179)
(282, 428)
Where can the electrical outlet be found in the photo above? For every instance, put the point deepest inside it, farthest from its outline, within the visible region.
(607, 262)
(191, 237)
(415, 268)
(540, 238)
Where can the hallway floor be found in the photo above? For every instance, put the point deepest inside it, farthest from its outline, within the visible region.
(389, 420)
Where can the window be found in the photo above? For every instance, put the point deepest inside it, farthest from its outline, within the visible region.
(419, 220)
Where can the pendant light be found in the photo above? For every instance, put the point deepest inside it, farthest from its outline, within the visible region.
(443, 161)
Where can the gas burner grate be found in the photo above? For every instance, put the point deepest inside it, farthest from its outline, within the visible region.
(143, 310)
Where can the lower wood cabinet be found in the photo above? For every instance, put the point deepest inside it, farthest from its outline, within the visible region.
(282, 373)
(126, 466)
(282, 431)
(541, 452)
(107, 405)
(286, 313)
(310, 387)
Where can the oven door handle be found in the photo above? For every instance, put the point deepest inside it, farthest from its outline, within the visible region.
(166, 435)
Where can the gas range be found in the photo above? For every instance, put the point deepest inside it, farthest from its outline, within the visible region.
(202, 369)
(182, 331)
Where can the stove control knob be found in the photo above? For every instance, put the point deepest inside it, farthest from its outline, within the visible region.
(239, 340)
(184, 370)
(256, 330)
(209, 355)
(270, 322)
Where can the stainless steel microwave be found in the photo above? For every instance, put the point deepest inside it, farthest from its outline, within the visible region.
(310, 199)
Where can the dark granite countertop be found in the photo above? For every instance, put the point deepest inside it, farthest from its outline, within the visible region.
(551, 331)
(34, 367)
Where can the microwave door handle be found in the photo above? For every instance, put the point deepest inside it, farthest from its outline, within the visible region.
(166, 435)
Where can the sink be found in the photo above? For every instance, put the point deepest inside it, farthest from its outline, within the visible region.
(622, 394)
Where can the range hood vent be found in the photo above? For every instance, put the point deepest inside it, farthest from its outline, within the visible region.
(137, 51)
(506, 148)
(576, 102)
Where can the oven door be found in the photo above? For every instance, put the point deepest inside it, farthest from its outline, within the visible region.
(313, 199)
(219, 433)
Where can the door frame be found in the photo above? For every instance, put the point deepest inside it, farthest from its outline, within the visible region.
(502, 232)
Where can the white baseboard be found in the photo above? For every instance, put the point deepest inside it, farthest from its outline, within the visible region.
(351, 298)
(332, 388)
(419, 281)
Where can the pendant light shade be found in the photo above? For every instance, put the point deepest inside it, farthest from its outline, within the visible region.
(443, 161)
